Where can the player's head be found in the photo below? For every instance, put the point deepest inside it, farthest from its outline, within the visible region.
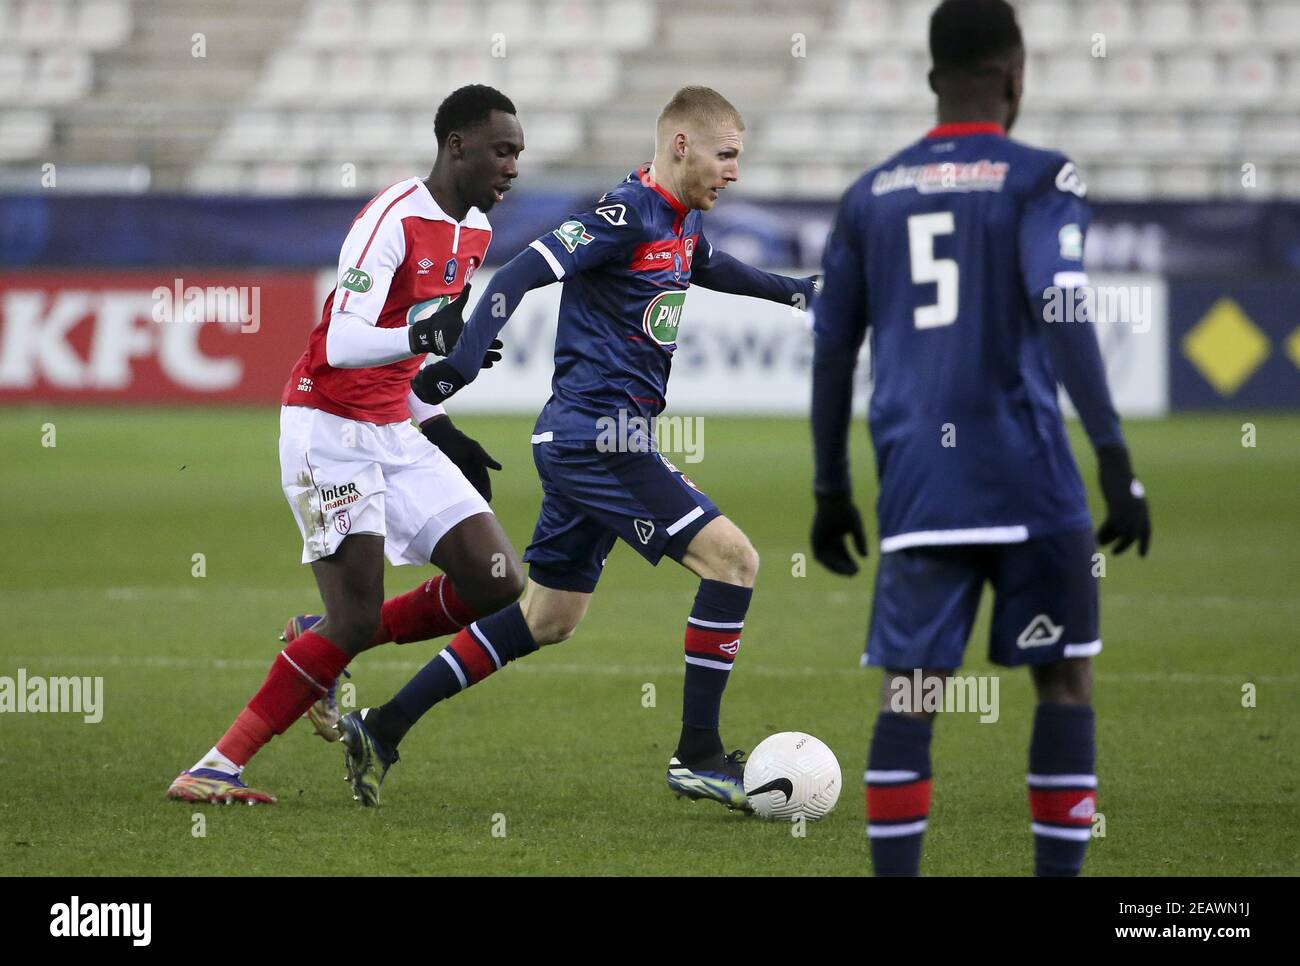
(979, 59)
(698, 138)
(480, 138)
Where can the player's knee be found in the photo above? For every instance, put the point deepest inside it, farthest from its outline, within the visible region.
(740, 561)
(552, 629)
(1064, 682)
(354, 628)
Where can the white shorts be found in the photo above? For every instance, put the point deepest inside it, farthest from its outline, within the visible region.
(343, 476)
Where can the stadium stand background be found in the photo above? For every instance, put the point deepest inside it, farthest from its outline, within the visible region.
(284, 94)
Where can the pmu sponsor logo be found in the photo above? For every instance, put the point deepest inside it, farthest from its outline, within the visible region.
(35, 694)
(333, 497)
(224, 304)
(663, 316)
(937, 177)
(76, 919)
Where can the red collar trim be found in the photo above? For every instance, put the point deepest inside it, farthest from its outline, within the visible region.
(964, 128)
(678, 208)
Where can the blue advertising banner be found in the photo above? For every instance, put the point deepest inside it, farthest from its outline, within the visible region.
(139, 231)
(1234, 344)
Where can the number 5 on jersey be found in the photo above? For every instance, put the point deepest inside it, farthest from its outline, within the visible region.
(921, 233)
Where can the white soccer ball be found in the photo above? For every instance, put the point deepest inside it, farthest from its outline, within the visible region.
(792, 774)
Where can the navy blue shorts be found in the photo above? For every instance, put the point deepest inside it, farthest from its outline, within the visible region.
(591, 498)
(1044, 602)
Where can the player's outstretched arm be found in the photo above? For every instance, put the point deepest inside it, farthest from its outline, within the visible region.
(478, 342)
(839, 326)
(724, 273)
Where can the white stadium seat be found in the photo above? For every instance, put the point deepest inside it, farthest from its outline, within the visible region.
(1228, 25)
(891, 78)
(1128, 79)
(1048, 26)
(290, 77)
(24, 135)
(1252, 79)
(351, 77)
(569, 25)
(1112, 19)
(1279, 24)
(1192, 79)
(864, 25)
(14, 67)
(628, 24)
(454, 23)
(249, 135)
(44, 23)
(103, 24)
(1166, 24)
(394, 24)
(333, 25)
(61, 77)
(828, 78)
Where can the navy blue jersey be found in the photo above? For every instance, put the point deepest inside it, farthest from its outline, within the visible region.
(626, 264)
(943, 253)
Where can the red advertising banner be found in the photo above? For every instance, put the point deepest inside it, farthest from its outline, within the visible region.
(207, 336)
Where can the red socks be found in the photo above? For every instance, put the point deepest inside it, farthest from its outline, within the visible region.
(301, 673)
(430, 610)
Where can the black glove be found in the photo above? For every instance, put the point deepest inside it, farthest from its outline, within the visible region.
(439, 382)
(1127, 516)
(836, 519)
(439, 332)
(470, 458)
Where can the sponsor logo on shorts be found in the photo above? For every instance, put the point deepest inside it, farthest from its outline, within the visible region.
(1040, 632)
(645, 529)
(333, 497)
(343, 523)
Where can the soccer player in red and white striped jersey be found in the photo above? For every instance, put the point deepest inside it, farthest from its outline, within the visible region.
(362, 482)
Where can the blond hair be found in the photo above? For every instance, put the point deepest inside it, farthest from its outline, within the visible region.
(702, 106)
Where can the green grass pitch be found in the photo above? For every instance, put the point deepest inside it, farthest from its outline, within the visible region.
(560, 752)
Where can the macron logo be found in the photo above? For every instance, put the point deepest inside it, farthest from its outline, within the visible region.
(107, 919)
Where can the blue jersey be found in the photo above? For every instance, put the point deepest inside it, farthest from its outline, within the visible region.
(626, 263)
(944, 253)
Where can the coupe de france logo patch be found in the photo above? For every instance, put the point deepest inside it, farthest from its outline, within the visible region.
(572, 234)
(355, 280)
(1071, 239)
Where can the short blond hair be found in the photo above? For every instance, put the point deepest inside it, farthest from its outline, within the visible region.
(698, 105)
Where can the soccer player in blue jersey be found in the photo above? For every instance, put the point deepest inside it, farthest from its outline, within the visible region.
(952, 255)
(626, 264)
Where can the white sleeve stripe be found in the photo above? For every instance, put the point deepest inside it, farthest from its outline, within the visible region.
(1070, 279)
(551, 260)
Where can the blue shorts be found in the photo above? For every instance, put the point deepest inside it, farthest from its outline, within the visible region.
(1044, 603)
(591, 498)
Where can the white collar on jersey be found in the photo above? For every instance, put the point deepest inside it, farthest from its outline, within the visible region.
(428, 208)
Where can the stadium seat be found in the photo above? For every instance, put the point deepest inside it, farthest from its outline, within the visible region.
(13, 75)
(864, 25)
(1093, 135)
(1128, 79)
(1162, 135)
(829, 78)
(1252, 79)
(1066, 80)
(515, 20)
(454, 23)
(277, 178)
(373, 134)
(1215, 137)
(44, 23)
(351, 77)
(569, 25)
(1046, 25)
(1271, 136)
(392, 25)
(103, 24)
(1191, 78)
(61, 77)
(217, 177)
(892, 79)
(1112, 19)
(332, 25)
(1166, 24)
(1279, 24)
(290, 77)
(1228, 25)
(586, 78)
(628, 24)
(413, 77)
(788, 136)
(249, 135)
(24, 135)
